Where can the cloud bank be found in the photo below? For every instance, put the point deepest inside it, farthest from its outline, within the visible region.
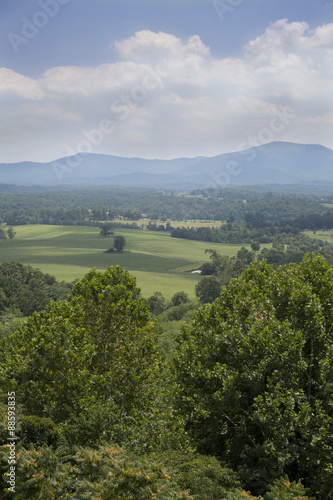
(167, 97)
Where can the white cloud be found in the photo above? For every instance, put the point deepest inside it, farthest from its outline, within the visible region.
(321, 37)
(169, 97)
(12, 83)
(323, 119)
(243, 105)
(86, 81)
(148, 44)
(283, 37)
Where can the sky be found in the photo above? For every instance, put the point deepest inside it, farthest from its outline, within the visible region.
(163, 78)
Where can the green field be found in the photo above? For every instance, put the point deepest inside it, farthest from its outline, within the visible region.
(159, 262)
(321, 235)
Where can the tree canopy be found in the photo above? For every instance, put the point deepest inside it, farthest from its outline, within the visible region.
(27, 289)
(89, 363)
(255, 374)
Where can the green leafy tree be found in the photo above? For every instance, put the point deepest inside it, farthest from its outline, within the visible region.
(106, 229)
(10, 320)
(179, 298)
(105, 472)
(283, 488)
(255, 376)
(119, 243)
(11, 233)
(208, 289)
(27, 289)
(156, 303)
(223, 266)
(245, 256)
(255, 246)
(202, 476)
(207, 269)
(90, 363)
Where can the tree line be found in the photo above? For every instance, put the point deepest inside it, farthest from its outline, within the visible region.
(88, 205)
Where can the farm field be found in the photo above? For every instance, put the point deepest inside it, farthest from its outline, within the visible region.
(159, 262)
(325, 235)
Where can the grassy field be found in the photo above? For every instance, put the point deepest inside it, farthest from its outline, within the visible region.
(321, 235)
(159, 262)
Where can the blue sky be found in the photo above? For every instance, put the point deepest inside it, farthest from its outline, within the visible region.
(162, 78)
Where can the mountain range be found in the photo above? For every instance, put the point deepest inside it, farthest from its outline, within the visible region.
(274, 163)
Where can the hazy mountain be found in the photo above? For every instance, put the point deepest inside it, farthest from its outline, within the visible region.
(274, 163)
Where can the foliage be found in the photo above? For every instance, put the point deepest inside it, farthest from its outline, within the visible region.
(202, 476)
(207, 269)
(90, 363)
(255, 375)
(176, 313)
(39, 431)
(11, 233)
(10, 320)
(156, 303)
(119, 243)
(87, 206)
(106, 472)
(283, 488)
(255, 246)
(208, 289)
(106, 229)
(27, 289)
(179, 298)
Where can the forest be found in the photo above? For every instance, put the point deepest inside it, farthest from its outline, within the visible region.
(110, 395)
(90, 205)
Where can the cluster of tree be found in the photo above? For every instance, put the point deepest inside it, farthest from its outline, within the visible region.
(285, 250)
(314, 221)
(26, 289)
(221, 270)
(289, 245)
(234, 234)
(249, 387)
(49, 215)
(108, 228)
(7, 233)
(23, 290)
(152, 226)
(157, 304)
(89, 205)
(119, 242)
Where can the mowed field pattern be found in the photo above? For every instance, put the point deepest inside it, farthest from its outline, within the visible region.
(159, 262)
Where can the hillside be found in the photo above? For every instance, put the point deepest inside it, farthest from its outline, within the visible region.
(274, 163)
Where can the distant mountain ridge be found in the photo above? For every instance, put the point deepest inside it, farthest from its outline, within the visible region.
(273, 163)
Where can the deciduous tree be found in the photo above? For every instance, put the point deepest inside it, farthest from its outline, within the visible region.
(255, 375)
(89, 363)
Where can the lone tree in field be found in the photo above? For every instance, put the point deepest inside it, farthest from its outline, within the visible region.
(106, 229)
(11, 233)
(119, 243)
